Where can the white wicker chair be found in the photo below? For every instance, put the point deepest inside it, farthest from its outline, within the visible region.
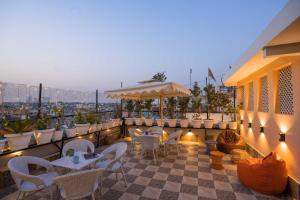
(150, 143)
(173, 139)
(78, 185)
(134, 135)
(28, 183)
(112, 159)
(79, 145)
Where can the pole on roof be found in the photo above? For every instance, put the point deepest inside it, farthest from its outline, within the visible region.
(97, 101)
(40, 101)
(234, 96)
(207, 100)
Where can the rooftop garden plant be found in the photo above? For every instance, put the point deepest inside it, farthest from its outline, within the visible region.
(129, 106)
(138, 107)
(171, 103)
(18, 126)
(211, 99)
(42, 123)
(148, 107)
(183, 103)
(80, 118)
(222, 102)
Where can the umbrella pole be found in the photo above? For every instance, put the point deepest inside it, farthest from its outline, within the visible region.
(161, 110)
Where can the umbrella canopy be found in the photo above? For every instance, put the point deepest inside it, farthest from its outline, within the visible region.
(149, 90)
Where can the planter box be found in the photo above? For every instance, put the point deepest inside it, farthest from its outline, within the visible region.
(93, 128)
(197, 123)
(57, 135)
(160, 123)
(222, 125)
(184, 123)
(70, 132)
(115, 122)
(18, 141)
(138, 121)
(43, 136)
(208, 123)
(172, 122)
(82, 129)
(149, 122)
(233, 125)
(2, 145)
(129, 121)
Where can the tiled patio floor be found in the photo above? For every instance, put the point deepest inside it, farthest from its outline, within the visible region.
(186, 176)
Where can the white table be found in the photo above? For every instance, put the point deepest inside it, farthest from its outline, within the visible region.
(67, 162)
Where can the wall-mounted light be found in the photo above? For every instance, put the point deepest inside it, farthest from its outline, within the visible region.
(18, 153)
(189, 132)
(250, 125)
(262, 130)
(242, 121)
(281, 137)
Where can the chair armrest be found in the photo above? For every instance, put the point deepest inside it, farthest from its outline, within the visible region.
(29, 178)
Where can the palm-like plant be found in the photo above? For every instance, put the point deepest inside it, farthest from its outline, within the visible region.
(138, 107)
(171, 106)
(183, 103)
(211, 98)
(222, 102)
(148, 106)
(196, 98)
(129, 106)
(19, 126)
(80, 118)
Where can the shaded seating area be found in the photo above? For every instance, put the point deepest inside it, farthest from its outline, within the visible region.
(267, 175)
(229, 140)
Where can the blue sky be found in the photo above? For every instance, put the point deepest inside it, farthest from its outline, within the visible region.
(86, 45)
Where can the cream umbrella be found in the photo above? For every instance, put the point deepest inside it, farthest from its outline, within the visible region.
(150, 90)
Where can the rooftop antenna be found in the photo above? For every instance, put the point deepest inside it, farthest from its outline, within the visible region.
(191, 71)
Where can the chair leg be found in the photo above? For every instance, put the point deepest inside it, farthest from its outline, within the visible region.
(116, 176)
(20, 195)
(93, 196)
(124, 176)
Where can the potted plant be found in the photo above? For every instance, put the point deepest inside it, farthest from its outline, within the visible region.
(231, 111)
(138, 108)
(148, 118)
(222, 102)
(211, 104)
(196, 105)
(129, 106)
(183, 103)
(81, 124)
(171, 107)
(59, 114)
(197, 120)
(18, 133)
(117, 115)
(42, 134)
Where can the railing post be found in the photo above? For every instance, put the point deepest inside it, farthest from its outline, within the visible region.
(96, 101)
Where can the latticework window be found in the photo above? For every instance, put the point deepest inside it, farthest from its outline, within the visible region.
(285, 100)
(264, 95)
(251, 97)
(241, 96)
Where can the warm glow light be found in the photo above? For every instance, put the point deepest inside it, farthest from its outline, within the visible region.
(91, 137)
(283, 129)
(283, 145)
(18, 153)
(189, 132)
(79, 137)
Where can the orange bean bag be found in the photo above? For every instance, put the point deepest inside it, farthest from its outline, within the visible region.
(268, 175)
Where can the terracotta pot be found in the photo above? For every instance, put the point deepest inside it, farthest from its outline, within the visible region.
(233, 125)
(172, 122)
(149, 122)
(18, 141)
(43, 136)
(197, 123)
(184, 123)
(208, 123)
(222, 125)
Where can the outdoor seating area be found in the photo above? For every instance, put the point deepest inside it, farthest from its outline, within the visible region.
(118, 172)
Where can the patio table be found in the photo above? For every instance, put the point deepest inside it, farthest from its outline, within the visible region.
(67, 162)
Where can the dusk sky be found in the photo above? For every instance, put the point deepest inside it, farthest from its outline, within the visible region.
(85, 45)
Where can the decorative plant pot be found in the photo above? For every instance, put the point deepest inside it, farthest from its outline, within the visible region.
(222, 125)
(233, 125)
(172, 122)
(93, 128)
(208, 123)
(82, 129)
(197, 123)
(184, 123)
(43, 136)
(160, 122)
(149, 122)
(57, 135)
(2, 145)
(70, 132)
(129, 121)
(18, 141)
(138, 121)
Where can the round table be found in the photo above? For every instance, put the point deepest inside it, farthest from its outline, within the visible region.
(210, 146)
(216, 160)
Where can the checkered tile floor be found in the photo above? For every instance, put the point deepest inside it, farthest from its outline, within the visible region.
(186, 176)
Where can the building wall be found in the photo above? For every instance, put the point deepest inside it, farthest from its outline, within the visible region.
(273, 122)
